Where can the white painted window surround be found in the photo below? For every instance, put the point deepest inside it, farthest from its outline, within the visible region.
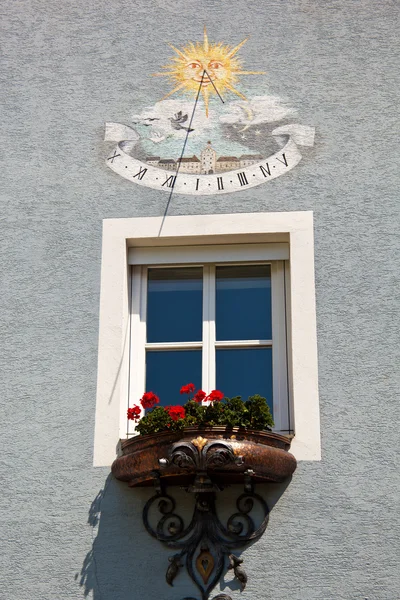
(223, 234)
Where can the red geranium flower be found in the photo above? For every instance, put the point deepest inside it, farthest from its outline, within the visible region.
(215, 396)
(134, 413)
(175, 412)
(188, 389)
(149, 399)
(199, 396)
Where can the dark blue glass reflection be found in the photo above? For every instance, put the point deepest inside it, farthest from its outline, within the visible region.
(243, 302)
(168, 370)
(175, 305)
(245, 372)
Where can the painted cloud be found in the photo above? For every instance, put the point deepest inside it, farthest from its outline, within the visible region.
(255, 111)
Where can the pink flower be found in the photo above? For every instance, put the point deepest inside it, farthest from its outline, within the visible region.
(215, 396)
(134, 413)
(188, 389)
(149, 399)
(199, 396)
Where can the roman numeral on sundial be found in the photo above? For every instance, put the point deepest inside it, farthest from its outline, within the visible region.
(265, 170)
(141, 173)
(170, 181)
(284, 161)
(243, 178)
(114, 156)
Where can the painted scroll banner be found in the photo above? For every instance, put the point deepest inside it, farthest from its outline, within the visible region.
(142, 173)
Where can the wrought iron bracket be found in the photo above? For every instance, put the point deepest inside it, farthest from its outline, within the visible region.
(205, 546)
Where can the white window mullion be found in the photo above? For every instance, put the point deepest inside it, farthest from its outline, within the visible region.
(208, 375)
(138, 341)
(211, 341)
(243, 344)
(173, 345)
(279, 367)
(206, 328)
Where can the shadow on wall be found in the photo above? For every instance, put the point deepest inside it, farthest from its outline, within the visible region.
(126, 563)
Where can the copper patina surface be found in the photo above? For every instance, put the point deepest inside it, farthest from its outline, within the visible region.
(265, 453)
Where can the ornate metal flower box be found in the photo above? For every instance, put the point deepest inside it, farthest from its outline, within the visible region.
(224, 454)
(204, 461)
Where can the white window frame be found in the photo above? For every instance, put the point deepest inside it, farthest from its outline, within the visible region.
(196, 256)
(293, 228)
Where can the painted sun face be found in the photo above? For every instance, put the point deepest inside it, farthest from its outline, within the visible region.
(214, 68)
(205, 72)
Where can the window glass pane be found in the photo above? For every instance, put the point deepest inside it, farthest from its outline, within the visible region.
(245, 372)
(168, 370)
(175, 304)
(243, 302)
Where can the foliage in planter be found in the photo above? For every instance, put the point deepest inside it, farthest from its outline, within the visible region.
(202, 411)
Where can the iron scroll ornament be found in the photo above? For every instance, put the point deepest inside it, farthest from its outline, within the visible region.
(206, 545)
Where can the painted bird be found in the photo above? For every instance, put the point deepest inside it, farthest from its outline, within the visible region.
(177, 121)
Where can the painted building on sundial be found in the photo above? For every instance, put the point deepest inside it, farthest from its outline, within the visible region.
(246, 160)
(226, 163)
(154, 161)
(169, 164)
(207, 164)
(208, 159)
(189, 165)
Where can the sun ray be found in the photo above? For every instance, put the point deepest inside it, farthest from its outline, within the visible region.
(166, 74)
(205, 40)
(236, 48)
(249, 72)
(232, 89)
(178, 52)
(176, 89)
(205, 94)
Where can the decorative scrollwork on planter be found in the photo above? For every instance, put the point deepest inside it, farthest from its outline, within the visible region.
(205, 546)
(203, 454)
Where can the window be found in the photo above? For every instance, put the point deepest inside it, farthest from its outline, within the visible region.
(217, 324)
(225, 248)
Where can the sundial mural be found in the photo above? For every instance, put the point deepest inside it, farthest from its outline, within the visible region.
(205, 136)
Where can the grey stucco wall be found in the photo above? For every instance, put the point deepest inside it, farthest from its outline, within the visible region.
(67, 68)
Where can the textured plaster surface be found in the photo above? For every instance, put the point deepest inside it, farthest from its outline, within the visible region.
(66, 69)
